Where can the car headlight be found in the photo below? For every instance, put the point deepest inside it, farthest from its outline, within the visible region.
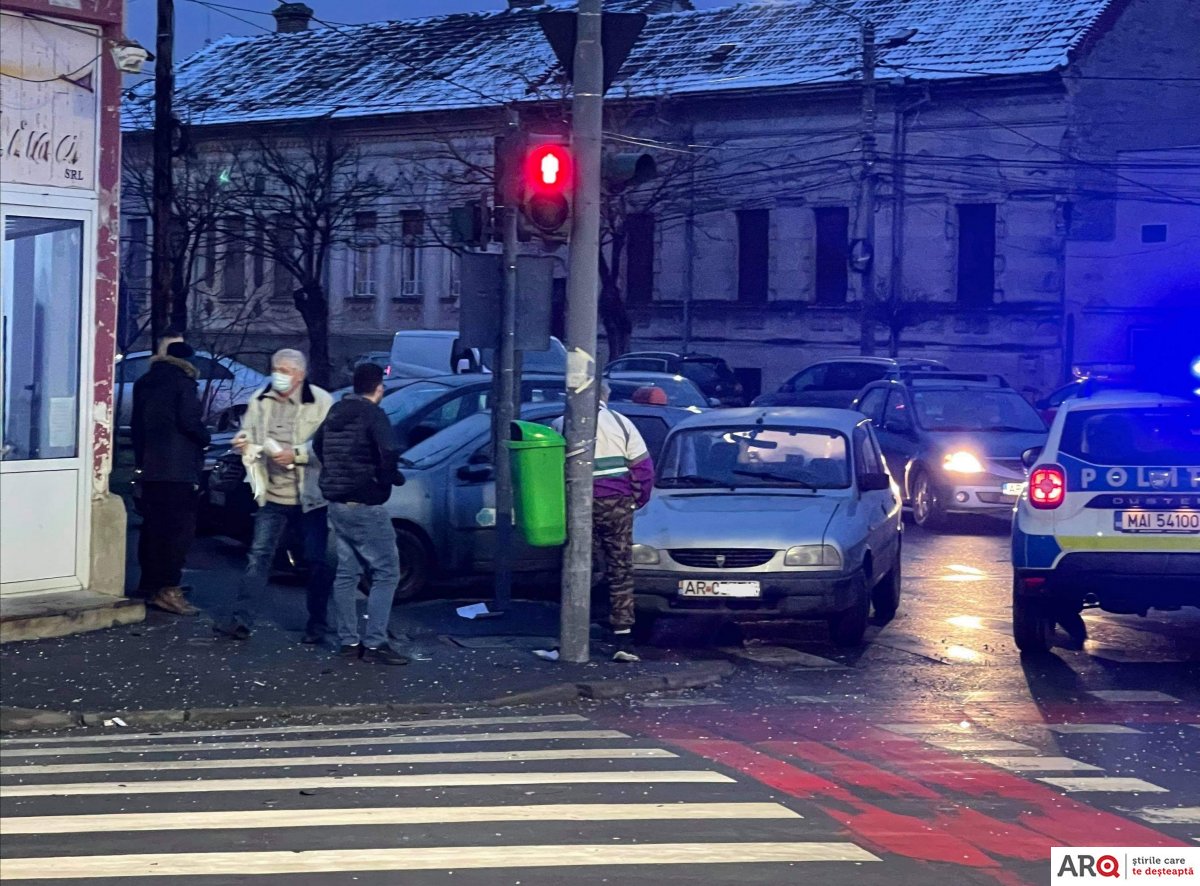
(644, 555)
(962, 462)
(813, 555)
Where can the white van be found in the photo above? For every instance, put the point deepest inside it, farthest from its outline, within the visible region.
(439, 350)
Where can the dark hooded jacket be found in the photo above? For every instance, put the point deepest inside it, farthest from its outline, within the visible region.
(169, 436)
(358, 453)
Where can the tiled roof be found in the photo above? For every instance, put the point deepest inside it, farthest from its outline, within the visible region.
(483, 59)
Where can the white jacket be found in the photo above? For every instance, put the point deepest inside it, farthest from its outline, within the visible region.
(314, 406)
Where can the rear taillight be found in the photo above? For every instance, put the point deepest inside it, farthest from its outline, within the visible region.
(1047, 487)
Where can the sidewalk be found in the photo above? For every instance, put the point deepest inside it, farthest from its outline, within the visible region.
(171, 669)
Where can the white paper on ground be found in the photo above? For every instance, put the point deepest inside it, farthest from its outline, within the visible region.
(473, 611)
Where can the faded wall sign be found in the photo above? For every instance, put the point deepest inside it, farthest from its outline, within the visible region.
(49, 89)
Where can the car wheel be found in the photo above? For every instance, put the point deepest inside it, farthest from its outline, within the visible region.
(885, 597)
(1033, 623)
(927, 508)
(848, 626)
(416, 564)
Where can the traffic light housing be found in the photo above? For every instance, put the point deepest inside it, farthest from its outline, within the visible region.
(547, 187)
(627, 170)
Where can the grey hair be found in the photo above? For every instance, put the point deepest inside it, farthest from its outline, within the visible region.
(290, 355)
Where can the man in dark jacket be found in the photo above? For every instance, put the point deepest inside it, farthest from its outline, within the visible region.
(169, 438)
(359, 467)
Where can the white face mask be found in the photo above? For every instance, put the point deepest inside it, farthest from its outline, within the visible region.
(281, 382)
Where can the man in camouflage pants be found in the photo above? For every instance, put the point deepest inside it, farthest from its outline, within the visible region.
(624, 477)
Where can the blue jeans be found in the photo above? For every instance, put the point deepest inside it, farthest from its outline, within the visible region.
(366, 543)
(270, 524)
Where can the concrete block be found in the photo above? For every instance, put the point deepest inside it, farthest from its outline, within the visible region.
(60, 613)
(143, 719)
(109, 527)
(556, 693)
(31, 719)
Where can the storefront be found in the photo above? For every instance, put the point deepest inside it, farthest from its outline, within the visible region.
(60, 529)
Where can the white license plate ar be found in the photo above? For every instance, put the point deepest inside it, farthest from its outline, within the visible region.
(1187, 522)
(1012, 488)
(694, 588)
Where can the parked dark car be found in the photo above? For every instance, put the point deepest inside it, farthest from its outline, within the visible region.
(837, 382)
(712, 375)
(953, 441)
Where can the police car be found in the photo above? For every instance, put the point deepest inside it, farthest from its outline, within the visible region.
(1110, 516)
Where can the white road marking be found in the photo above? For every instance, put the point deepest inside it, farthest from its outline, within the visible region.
(1041, 764)
(1169, 815)
(1105, 784)
(361, 782)
(455, 858)
(969, 745)
(677, 702)
(300, 730)
(925, 728)
(367, 760)
(1133, 695)
(1093, 729)
(387, 815)
(438, 738)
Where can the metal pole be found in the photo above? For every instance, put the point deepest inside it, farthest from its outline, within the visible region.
(583, 289)
(867, 204)
(504, 387)
(689, 239)
(162, 196)
(896, 274)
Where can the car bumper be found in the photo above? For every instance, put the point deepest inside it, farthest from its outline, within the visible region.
(784, 594)
(1128, 582)
(980, 496)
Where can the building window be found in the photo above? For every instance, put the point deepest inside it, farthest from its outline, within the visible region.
(259, 259)
(639, 253)
(207, 271)
(832, 273)
(137, 261)
(412, 228)
(976, 253)
(284, 243)
(233, 271)
(753, 253)
(1154, 233)
(366, 253)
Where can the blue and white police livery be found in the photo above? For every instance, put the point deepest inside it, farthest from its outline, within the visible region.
(1110, 516)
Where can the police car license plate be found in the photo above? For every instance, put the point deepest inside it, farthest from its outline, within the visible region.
(693, 588)
(1187, 522)
(1012, 488)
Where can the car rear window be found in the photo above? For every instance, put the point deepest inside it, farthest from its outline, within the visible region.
(756, 456)
(706, 372)
(1153, 436)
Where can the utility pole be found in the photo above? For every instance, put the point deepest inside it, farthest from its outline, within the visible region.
(866, 207)
(162, 187)
(583, 290)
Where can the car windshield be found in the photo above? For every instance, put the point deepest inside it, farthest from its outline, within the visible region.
(975, 409)
(680, 391)
(755, 456)
(1154, 437)
(552, 361)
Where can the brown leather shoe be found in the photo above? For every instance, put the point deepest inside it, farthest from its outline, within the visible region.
(172, 600)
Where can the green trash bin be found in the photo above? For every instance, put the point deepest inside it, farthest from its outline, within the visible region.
(539, 488)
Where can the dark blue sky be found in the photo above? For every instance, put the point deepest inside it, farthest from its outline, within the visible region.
(197, 23)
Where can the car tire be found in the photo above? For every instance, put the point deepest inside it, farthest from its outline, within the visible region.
(1033, 623)
(416, 564)
(848, 626)
(927, 508)
(885, 596)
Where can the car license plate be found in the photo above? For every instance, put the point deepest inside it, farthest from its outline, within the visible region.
(1187, 522)
(1012, 488)
(693, 588)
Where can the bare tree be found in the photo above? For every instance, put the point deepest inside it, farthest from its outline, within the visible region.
(297, 201)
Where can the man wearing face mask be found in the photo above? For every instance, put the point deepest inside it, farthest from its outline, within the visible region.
(275, 443)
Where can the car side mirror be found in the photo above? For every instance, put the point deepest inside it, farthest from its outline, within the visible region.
(874, 482)
(1030, 457)
(714, 401)
(479, 473)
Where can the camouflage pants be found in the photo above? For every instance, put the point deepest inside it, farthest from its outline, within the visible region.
(612, 535)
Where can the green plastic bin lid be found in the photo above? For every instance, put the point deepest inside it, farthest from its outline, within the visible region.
(531, 435)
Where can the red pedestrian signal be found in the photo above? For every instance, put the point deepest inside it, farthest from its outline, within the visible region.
(548, 182)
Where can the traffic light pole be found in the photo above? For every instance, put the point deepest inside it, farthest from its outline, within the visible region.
(867, 202)
(583, 290)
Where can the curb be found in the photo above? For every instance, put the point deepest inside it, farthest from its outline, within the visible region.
(17, 720)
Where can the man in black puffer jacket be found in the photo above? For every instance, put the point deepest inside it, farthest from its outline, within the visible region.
(359, 467)
(169, 438)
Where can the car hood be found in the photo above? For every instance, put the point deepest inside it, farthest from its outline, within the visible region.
(724, 519)
(991, 444)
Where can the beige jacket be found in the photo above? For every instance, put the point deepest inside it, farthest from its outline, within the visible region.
(314, 406)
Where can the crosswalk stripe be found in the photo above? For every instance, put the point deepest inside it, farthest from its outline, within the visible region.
(1133, 695)
(1168, 815)
(1105, 784)
(368, 760)
(970, 745)
(456, 722)
(388, 815)
(423, 780)
(439, 738)
(424, 859)
(1040, 764)
(1093, 729)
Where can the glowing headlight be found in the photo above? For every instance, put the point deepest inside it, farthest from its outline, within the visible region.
(813, 555)
(962, 462)
(644, 555)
